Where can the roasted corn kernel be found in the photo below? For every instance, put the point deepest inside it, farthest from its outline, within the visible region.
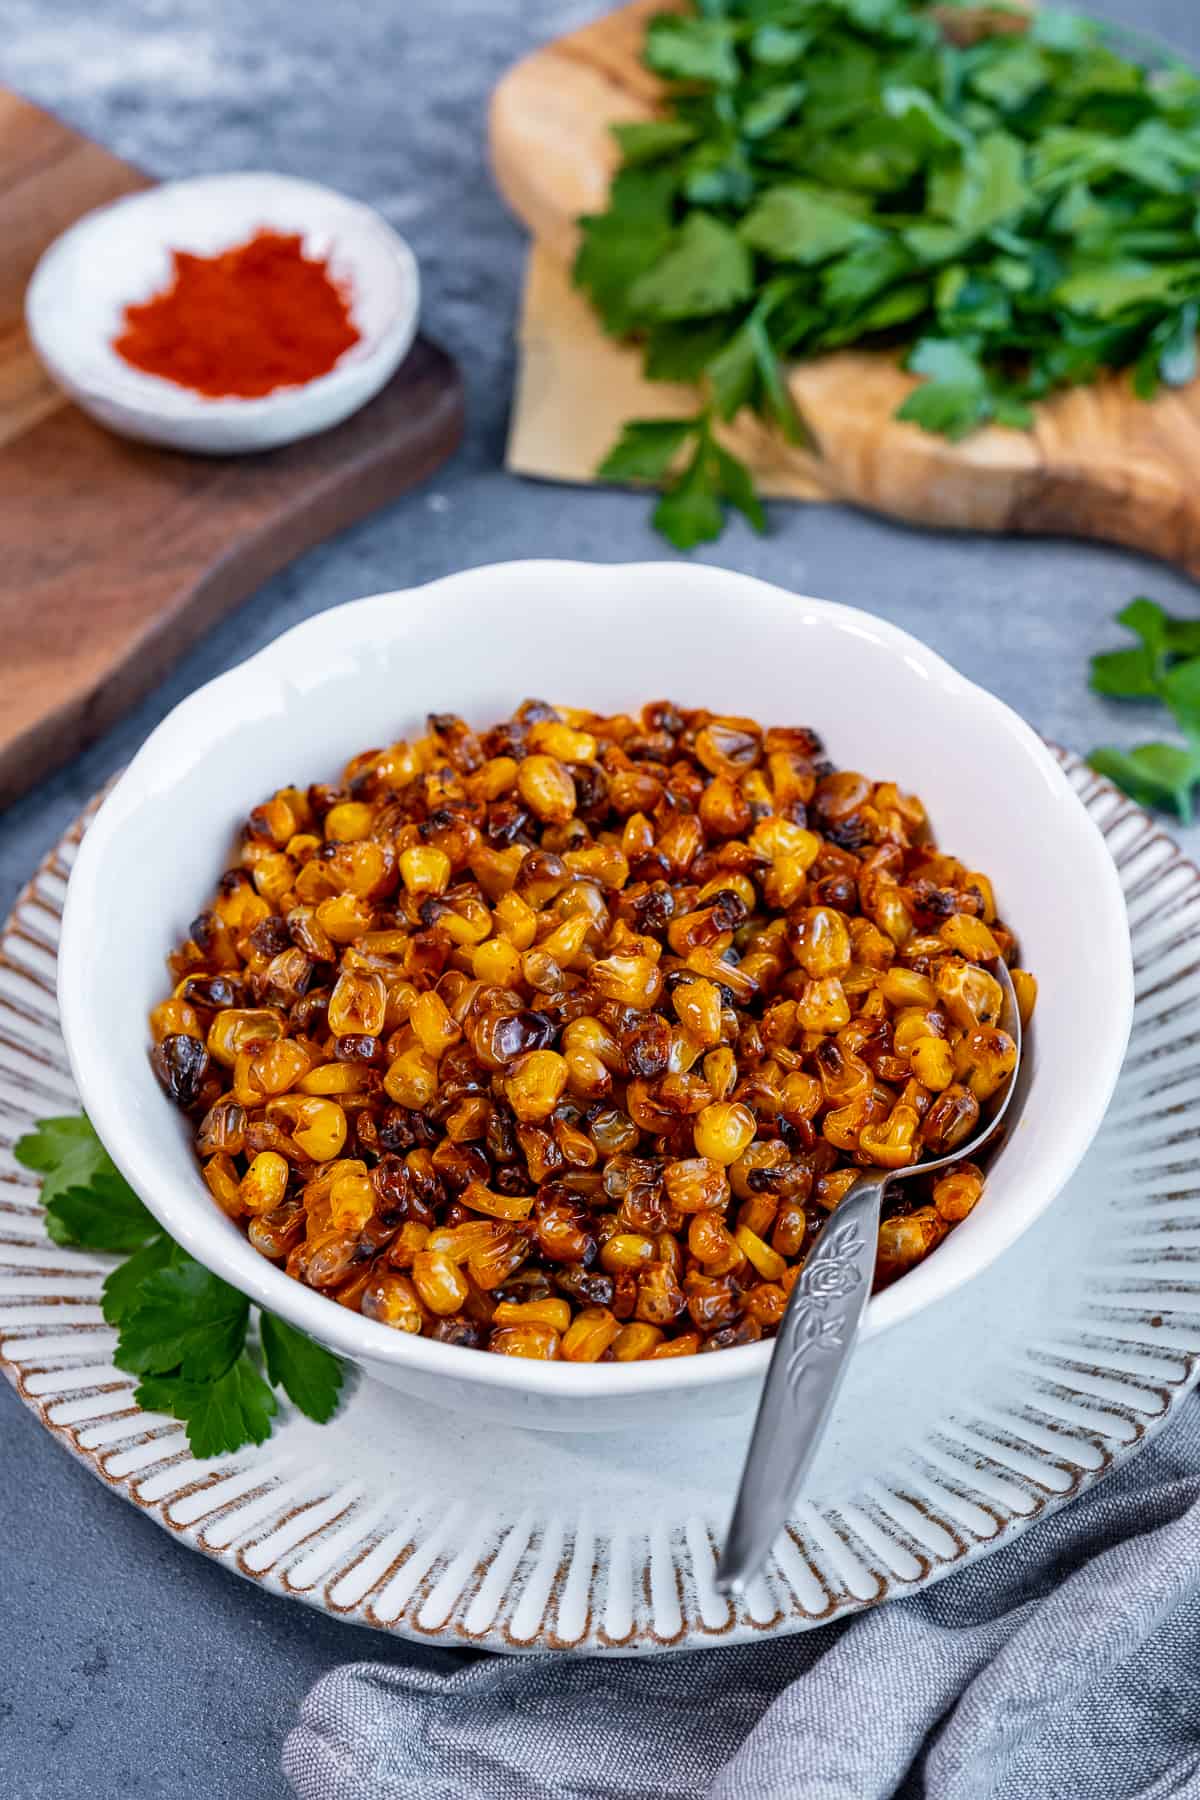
(561, 1039)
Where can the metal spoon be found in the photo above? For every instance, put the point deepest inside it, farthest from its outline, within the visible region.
(815, 1340)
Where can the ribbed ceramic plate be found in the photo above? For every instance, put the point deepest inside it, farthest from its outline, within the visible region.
(953, 1434)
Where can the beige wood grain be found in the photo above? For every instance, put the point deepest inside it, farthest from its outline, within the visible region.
(1099, 463)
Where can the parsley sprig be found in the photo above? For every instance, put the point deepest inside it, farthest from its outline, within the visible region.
(1164, 665)
(180, 1328)
(1018, 212)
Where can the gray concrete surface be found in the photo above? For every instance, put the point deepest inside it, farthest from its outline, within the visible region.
(128, 1665)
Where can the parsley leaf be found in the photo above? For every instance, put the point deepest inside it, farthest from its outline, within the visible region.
(309, 1376)
(222, 1415)
(706, 270)
(646, 449)
(827, 173)
(179, 1325)
(187, 1319)
(800, 224)
(1165, 666)
(1161, 775)
(87, 1200)
(691, 513)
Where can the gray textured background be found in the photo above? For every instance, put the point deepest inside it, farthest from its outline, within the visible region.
(130, 1666)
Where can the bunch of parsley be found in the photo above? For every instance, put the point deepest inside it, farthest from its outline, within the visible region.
(1020, 213)
(180, 1328)
(1164, 665)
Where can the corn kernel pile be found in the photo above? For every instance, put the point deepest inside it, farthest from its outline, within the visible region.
(562, 1040)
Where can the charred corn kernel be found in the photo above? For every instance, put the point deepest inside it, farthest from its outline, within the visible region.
(590, 1035)
(221, 1179)
(774, 838)
(892, 1143)
(697, 1006)
(412, 1078)
(830, 1190)
(433, 1025)
(264, 1183)
(564, 943)
(970, 937)
(235, 1029)
(242, 908)
(273, 875)
(768, 1262)
(392, 1300)
(1026, 987)
(629, 980)
(536, 1083)
(957, 1191)
(799, 1097)
(459, 1241)
(274, 1069)
(720, 1072)
(515, 921)
(589, 1334)
(913, 1024)
(890, 912)
(821, 942)
(424, 869)
(712, 1243)
(636, 1341)
(344, 917)
(539, 1342)
(175, 1018)
(351, 1202)
(904, 987)
(357, 1005)
(723, 1130)
(348, 822)
(482, 1199)
(546, 788)
(555, 1313)
(932, 1063)
(439, 1281)
(822, 1005)
(985, 1060)
(696, 1185)
(411, 1237)
(496, 961)
(559, 742)
(627, 1250)
(905, 1241)
(320, 1129)
(686, 1344)
(303, 847)
(332, 1080)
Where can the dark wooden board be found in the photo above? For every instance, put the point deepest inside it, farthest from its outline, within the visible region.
(116, 557)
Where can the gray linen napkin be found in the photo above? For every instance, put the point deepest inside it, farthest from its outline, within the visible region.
(1066, 1667)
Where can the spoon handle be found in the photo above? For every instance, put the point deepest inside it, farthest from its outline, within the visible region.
(812, 1353)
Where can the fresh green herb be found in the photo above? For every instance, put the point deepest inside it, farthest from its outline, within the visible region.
(1164, 665)
(181, 1328)
(1017, 214)
(692, 509)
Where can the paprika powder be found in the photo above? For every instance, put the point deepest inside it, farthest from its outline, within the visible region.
(240, 324)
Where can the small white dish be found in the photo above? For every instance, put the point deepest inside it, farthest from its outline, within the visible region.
(611, 637)
(121, 254)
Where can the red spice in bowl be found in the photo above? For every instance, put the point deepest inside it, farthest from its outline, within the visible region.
(241, 324)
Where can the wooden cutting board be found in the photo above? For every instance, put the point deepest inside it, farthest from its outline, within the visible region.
(116, 557)
(1100, 463)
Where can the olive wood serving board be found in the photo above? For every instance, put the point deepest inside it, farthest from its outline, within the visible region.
(116, 557)
(1099, 463)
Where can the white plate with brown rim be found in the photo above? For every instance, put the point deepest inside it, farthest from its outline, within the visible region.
(954, 1433)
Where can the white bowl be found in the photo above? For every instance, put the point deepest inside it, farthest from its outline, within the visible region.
(121, 253)
(610, 637)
